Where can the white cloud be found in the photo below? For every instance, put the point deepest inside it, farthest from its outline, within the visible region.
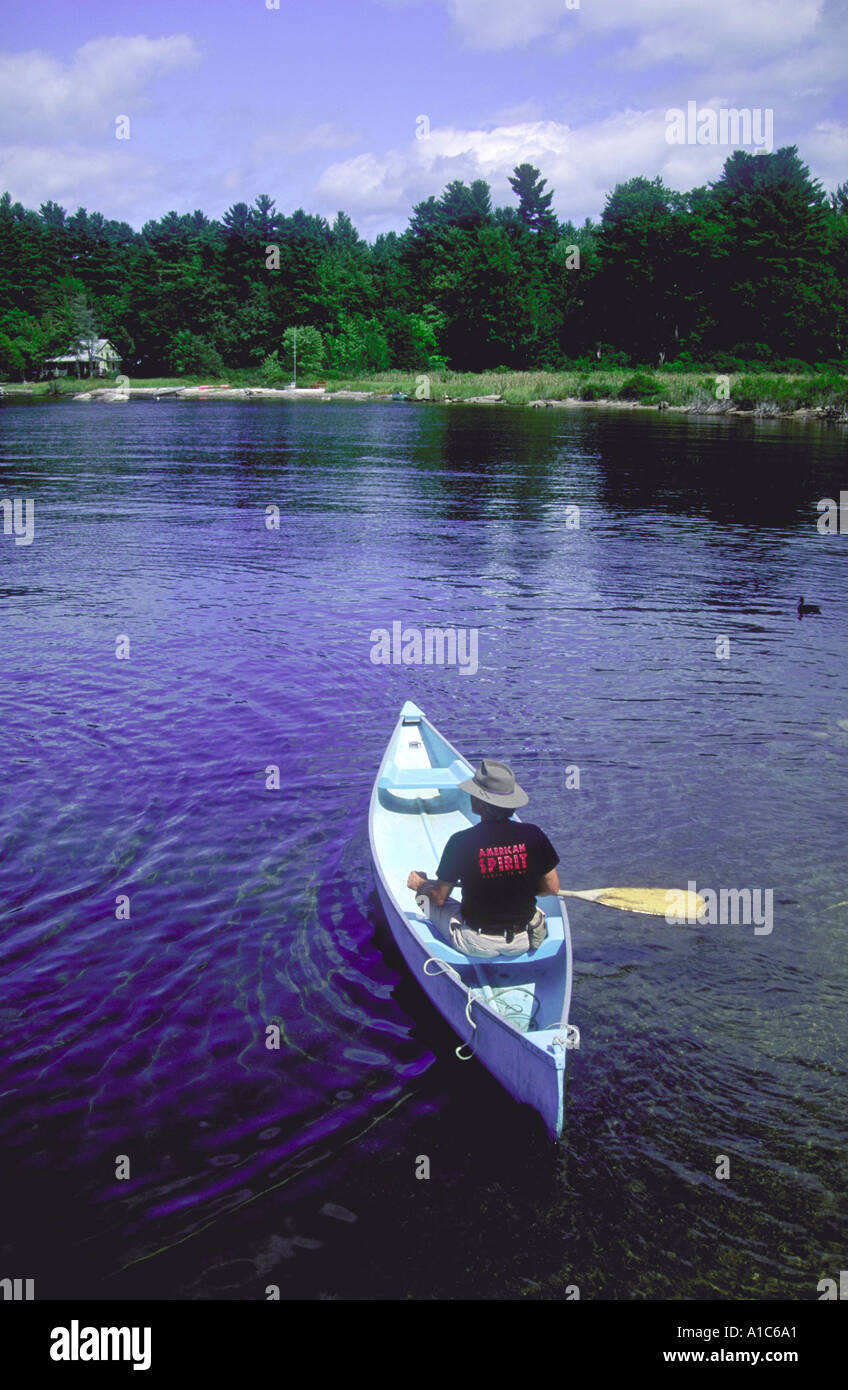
(107, 77)
(517, 113)
(326, 136)
(782, 55)
(721, 30)
(505, 24)
(825, 150)
(581, 165)
(35, 174)
(650, 31)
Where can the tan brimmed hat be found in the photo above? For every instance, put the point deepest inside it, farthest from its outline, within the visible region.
(495, 782)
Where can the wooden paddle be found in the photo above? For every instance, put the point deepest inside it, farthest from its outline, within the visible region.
(657, 902)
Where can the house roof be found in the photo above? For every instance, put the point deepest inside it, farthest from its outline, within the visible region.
(82, 354)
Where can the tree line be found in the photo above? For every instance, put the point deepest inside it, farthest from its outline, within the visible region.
(753, 267)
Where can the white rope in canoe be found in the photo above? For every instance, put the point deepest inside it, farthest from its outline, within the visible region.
(514, 1012)
(570, 1039)
(447, 969)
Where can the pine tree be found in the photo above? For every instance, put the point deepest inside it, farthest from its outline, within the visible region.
(534, 204)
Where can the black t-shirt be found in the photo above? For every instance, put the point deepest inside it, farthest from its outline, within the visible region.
(499, 864)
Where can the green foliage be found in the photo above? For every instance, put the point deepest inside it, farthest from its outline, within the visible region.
(610, 360)
(534, 204)
(755, 355)
(411, 341)
(25, 341)
(807, 392)
(780, 284)
(13, 358)
(748, 274)
(188, 354)
(793, 365)
(84, 321)
(360, 345)
(310, 349)
(272, 372)
(726, 363)
(640, 387)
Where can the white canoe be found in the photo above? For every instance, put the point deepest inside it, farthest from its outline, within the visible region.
(511, 1013)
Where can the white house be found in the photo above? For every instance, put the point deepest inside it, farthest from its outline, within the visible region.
(106, 360)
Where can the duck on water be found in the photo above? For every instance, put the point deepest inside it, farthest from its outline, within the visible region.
(805, 608)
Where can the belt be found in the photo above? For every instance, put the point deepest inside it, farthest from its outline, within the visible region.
(508, 932)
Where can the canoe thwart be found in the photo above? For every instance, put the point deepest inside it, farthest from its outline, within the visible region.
(423, 778)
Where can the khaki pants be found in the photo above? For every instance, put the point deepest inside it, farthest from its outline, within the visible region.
(446, 922)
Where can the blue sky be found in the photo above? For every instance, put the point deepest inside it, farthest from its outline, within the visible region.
(318, 102)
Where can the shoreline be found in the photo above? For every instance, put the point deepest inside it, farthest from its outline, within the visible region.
(121, 395)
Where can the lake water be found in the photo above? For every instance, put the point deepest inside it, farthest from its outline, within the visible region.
(252, 646)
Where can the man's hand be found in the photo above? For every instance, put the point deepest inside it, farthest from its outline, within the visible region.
(433, 888)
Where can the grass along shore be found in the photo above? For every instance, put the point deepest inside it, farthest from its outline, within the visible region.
(776, 394)
(823, 394)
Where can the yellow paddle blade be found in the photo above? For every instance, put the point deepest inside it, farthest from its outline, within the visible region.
(656, 902)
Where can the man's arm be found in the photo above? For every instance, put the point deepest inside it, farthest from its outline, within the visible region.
(434, 888)
(548, 883)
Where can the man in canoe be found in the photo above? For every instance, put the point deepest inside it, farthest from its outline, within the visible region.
(501, 866)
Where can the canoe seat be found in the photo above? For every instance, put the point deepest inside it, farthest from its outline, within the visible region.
(422, 778)
(553, 945)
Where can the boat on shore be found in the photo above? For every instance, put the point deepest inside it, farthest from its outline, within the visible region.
(511, 1013)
